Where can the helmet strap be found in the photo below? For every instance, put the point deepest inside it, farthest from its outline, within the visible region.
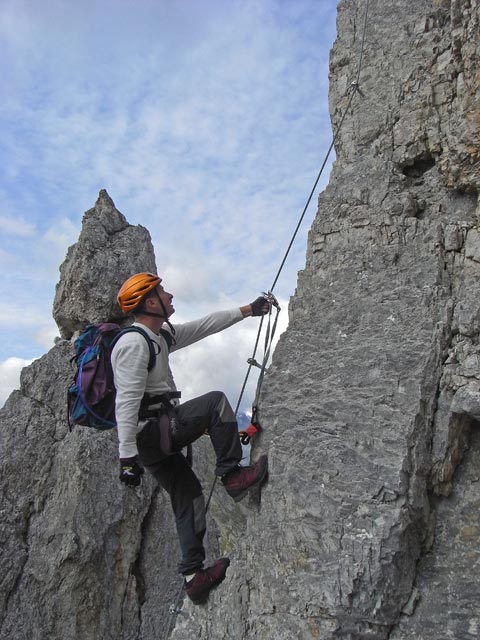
(160, 315)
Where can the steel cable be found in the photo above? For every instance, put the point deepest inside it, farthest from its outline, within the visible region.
(353, 89)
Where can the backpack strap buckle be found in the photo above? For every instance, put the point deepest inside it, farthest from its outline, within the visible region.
(163, 401)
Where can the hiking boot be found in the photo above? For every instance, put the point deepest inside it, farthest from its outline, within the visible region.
(240, 480)
(205, 580)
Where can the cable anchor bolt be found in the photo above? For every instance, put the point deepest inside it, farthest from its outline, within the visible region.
(253, 363)
(174, 609)
(355, 87)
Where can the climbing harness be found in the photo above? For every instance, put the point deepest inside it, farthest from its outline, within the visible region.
(352, 91)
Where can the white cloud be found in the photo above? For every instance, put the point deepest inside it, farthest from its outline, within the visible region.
(10, 376)
(30, 271)
(7, 260)
(206, 122)
(32, 325)
(57, 238)
(220, 361)
(23, 318)
(16, 227)
(45, 336)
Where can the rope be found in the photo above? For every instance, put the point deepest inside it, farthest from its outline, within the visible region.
(353, 90)
(360, 58)
(174, 609)
(250, 365)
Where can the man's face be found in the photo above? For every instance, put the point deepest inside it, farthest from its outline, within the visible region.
(166, 298)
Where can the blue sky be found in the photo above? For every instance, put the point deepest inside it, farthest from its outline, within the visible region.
(206, 121)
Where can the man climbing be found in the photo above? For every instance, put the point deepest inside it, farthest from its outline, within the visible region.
(147, 438)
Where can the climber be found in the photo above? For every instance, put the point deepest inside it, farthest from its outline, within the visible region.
(144, 398)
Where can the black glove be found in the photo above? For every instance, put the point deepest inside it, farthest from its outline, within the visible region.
(130, 471)
(258, 306)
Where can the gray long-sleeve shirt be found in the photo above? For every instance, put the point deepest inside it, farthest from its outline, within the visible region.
(132, 379)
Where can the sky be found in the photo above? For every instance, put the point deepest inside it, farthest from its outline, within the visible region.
(205, 120)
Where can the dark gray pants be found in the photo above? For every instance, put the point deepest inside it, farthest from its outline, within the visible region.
(213, 413)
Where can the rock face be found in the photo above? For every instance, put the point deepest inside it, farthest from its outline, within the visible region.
(93, 270)
(369, 526)
(81, 558)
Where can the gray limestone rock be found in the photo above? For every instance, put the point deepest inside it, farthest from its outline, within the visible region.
(83, 558)
(369, 525)
(108, 251)
(70, 537)
(370, 406)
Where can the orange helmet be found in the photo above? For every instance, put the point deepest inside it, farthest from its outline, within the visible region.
(135, 289)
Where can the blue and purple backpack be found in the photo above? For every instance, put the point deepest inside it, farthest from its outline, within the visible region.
(91, 397)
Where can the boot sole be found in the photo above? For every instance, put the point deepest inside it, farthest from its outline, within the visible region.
(261, 478)
(202, 599)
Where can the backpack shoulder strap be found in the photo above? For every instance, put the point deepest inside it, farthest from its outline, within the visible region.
(168, 337)
(153, 356)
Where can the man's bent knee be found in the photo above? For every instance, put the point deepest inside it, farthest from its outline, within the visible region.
(223, 407)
